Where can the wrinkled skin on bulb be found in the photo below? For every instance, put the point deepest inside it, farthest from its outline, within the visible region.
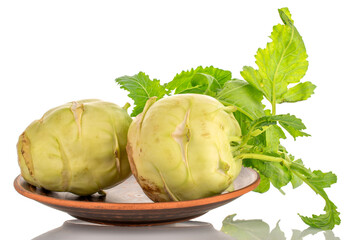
(79, 147)
(179, 148)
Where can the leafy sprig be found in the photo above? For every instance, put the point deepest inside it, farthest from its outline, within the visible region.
(141, 88)
(281, 63)
(208, 80)
(281, 66)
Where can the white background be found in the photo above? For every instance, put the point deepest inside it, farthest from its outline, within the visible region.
(52, 52)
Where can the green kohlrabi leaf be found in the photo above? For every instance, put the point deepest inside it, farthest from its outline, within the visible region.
(244, 122)
(281, 169)
(264, 185)
(281, 63)
(289, 122)
(278, 174)
(299, 92)
(318, 180)
(243, 96)
(295, 180)
(201, 80)
(273, 135)
(141, 88)
(285, 16)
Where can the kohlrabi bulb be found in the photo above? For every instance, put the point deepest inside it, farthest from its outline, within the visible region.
(179, 147)
(79, 147)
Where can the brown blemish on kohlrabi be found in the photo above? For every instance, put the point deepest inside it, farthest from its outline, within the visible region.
(206, 135)
(26, 153)
(151, 190)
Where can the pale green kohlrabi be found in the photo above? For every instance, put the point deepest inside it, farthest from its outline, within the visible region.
(79, 147)
(179, 148)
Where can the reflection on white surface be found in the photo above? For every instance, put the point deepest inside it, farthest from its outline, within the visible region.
(80, 230)
(260, 230)
(191, 230)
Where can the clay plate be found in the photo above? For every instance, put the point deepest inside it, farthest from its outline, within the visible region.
(126, 204)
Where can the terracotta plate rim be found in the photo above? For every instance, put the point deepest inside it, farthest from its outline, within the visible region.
(135, 206)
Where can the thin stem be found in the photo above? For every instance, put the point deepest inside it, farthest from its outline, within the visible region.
(273, 111)
(235, 149)
(102, 193)
(257, 132)
(235, 139)
(259, 157)
(237, 108)
(126, 106)
(230, 109)
(245, 140)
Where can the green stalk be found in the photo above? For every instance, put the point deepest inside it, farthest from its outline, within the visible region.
(259, 157)
(273, 99)
(273, 104)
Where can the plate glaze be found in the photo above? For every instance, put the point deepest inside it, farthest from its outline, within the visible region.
(127, 205)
